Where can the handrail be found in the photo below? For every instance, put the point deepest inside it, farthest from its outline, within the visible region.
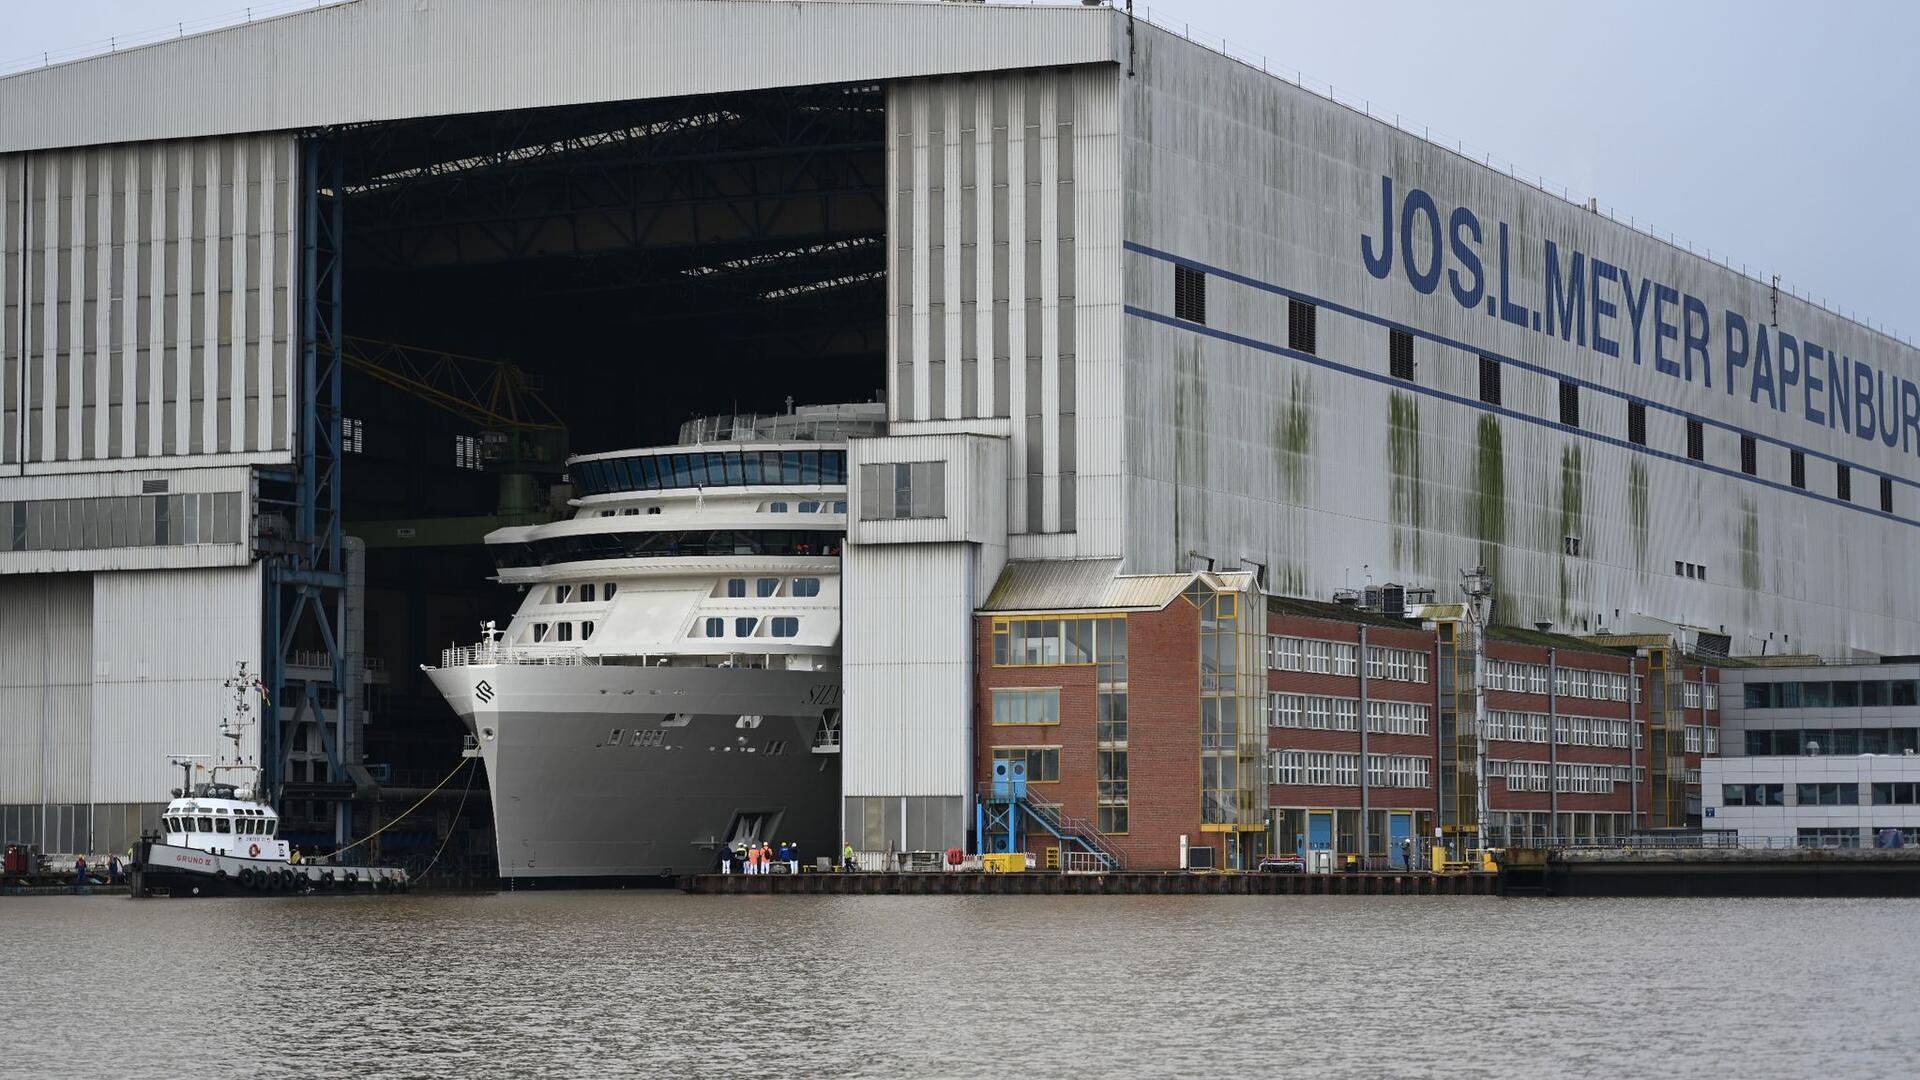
(1080, 830)
(493, 653)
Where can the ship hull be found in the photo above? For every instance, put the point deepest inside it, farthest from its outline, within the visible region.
(611, 774)
(159, 869)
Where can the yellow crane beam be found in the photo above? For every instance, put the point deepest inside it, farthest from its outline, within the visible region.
(487, 393)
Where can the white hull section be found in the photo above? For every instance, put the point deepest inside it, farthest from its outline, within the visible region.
(185, 871)
(612, 771)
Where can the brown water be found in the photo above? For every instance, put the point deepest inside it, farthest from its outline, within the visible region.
(648, 984)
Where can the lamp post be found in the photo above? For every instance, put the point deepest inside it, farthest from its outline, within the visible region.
(1478, 587)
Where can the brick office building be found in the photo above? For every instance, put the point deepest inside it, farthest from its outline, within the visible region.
(1160, 707)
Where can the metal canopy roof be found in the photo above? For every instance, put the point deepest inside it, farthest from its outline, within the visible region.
(1087, 584)
(371, 60)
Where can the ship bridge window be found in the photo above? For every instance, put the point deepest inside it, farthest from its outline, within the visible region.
(806, 586)
(776, 508)
(809, 507)
(539, 632)
(206, 824)
(586, 593)
(766, 586)
(631, 511)
(562, 593)
(743, 627)
(840, 506)
(607, 589)
(222, 825)
(586, 630)
(737, 586)
(728, 468)
(646, 545)
(606, 513)
(786, 626)
(563, 631)
(716, 627)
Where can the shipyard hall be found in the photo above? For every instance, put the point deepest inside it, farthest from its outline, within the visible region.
(901, 426)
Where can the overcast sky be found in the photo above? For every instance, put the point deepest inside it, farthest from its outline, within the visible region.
(1781, 134)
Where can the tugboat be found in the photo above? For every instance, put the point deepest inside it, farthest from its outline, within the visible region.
(220, 837)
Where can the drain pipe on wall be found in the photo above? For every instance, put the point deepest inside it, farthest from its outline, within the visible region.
(1553, 746)
(1366, 814)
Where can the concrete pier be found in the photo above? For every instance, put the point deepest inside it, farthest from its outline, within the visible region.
(1713, 872)
(1119, 883)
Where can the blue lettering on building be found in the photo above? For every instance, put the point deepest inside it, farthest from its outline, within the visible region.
(1590, 302)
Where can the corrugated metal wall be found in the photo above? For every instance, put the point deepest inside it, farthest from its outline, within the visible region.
(153, 285)
(907, 670)
(12, 253)
(46, 688)
(1330, 471)
(103, 676)
(390, 59)
(162, 644)
(1003, 274)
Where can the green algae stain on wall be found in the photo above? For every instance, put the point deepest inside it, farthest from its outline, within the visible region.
(1637, 511)
(1573, 521)
(1189, 444)
(1293, 440)
(1749, 548)
(1405, 492)
(1490, 509)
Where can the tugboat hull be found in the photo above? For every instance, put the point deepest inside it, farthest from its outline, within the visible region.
(166, 870)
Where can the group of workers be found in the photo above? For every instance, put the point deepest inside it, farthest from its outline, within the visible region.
(759, 858)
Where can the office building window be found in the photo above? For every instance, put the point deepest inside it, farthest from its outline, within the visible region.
(1569, 404)
(900, 490)
(1696, 440)
(1886, 494)
(1027, 706)
(1043, 762)
(1749, 456)
(1490, 380)
(1798, 472)
(1843, 482)
(1636, 423)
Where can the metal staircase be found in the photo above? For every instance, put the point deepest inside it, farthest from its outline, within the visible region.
(1074, 830)
(1006, 810)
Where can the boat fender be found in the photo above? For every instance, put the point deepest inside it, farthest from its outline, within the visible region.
(221, 874)
(246, 877)
(253, 850)
(283, 880)
(326, 879)
(352, 879)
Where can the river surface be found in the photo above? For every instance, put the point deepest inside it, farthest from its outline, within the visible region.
(656, 984)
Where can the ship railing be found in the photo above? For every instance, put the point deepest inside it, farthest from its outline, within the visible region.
(494, 653)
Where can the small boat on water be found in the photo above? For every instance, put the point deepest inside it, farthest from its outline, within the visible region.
(220, 837)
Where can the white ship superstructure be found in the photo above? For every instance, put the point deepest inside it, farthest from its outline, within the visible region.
(670, 684)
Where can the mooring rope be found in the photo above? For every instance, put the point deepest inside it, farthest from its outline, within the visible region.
(464, 791)
(464, 762)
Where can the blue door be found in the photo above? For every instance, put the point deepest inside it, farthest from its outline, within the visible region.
(1399, 830)
(1320, 831)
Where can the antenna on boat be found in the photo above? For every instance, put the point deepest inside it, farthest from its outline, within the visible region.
(244, 685)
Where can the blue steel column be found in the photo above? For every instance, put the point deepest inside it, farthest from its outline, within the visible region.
(305, 589)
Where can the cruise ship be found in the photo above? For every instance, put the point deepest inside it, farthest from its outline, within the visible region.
(670, 685)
